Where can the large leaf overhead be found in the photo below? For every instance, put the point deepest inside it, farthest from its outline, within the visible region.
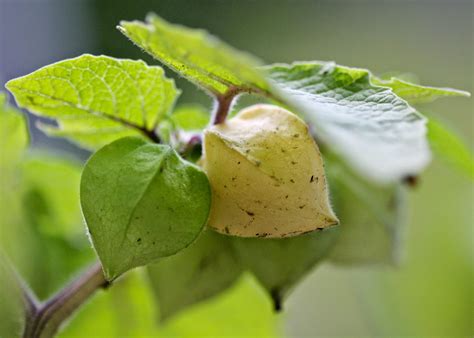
(97, 99)
(196, 55)
(141, 202)
(369, 126)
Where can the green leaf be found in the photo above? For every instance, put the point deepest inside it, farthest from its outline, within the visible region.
(43, 233)
(278, 264)
(195, 54)
(13, 134)
(372, 218)
(372, 129)
(190, 117)
(414, 93)
(446, 144)
(201, 271)
(57, 181)
(141, 201)
(13, 305)
(97, 99)
(127, 310)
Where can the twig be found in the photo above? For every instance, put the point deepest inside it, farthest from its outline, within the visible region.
(49, 316)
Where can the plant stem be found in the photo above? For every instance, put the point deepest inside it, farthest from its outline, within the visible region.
(223, 104)
(49, 316)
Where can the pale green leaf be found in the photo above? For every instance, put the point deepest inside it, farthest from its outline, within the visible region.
(446, 144)
(278, 264)
(371, 128)
(242, 311)
(141, 201)
(201, 271)
(127, 310)
(415, 93)
(97, 99)
(372, 218)
(57, 181)
(190, 117)
(13, 304)
(13, 135)
(196, 55)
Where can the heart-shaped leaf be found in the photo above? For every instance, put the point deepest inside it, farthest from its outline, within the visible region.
(141, 201)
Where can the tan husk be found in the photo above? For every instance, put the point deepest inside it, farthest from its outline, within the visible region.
(266, 174)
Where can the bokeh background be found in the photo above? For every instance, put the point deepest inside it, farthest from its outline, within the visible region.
(432, 292)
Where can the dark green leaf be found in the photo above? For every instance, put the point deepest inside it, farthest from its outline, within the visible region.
(141, 201)
(279, 264)
(201, 271)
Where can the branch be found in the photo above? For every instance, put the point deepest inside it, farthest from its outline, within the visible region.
(48, 318)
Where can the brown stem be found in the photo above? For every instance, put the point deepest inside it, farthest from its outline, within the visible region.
(49, 316)
(223, 104)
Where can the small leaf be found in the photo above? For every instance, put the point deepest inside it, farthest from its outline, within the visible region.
(368, 126)
(372, 218)
(280, 263)
(446, 144)
(414, 93)
(13, 134)
(97, 99)
(141, 201)
(195, 54)
(266, 174)
(201, 271)
(13, 304)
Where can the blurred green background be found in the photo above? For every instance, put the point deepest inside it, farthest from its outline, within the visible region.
(431, 293)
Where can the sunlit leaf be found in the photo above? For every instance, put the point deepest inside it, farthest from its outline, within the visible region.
(141, 201)
(97, 99)
(196, 55)
(201, 271)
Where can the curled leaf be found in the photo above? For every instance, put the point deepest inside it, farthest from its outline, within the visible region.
(266, 174)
